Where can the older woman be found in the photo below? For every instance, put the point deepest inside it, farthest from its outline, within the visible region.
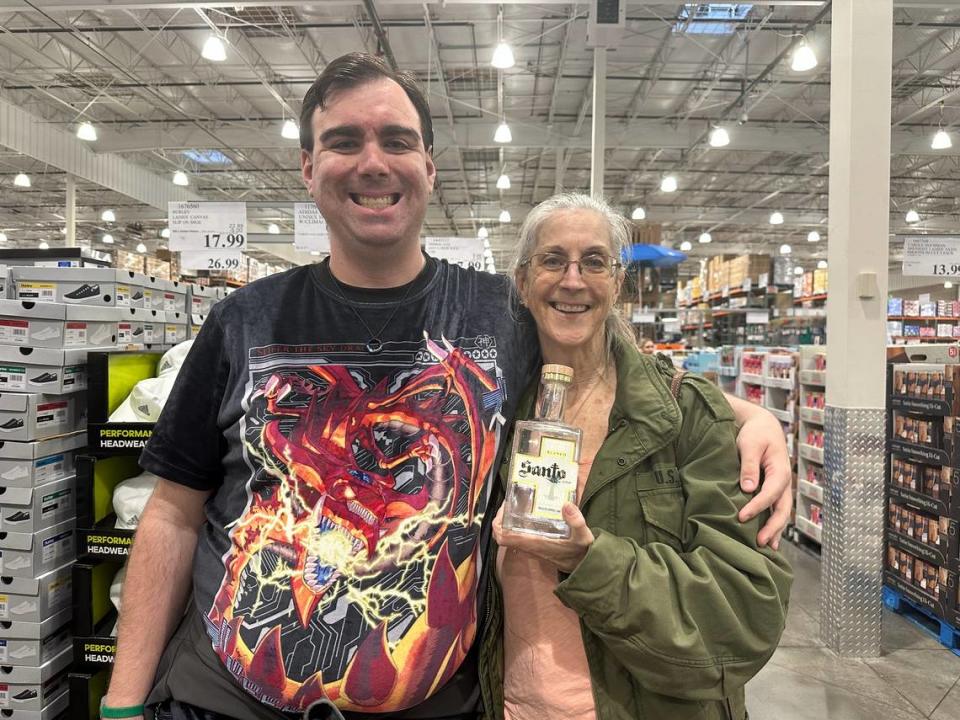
(660, 605)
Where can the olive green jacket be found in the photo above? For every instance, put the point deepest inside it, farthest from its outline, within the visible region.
(678, 606)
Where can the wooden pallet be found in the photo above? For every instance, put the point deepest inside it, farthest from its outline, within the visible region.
(945, 633)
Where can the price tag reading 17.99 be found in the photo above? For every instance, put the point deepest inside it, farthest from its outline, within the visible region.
(224, 241)
(943, 269)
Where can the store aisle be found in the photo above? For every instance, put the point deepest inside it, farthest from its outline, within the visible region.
(915, 677)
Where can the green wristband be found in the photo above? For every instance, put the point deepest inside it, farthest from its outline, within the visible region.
(117, 713)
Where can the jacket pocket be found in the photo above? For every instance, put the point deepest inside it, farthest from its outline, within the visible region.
(662, 512)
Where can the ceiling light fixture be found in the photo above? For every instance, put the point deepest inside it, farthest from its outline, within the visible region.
(941, 140)
(785, 249)
(165, 233)
(503, 182)
(776, 218)
(141, 248)
(705, 238)
(482, 233)
(719, 137)
(290, 131)
(214, 50)
(315, 253)
(668, 184)
(502, 57)
(639, 213)
(63, 231)
(43, 245)
(912, 216)
(107, 238)
(798, 270)
(503, 134)
(947, 285)
(3, 237)
(686, 246)
(180, 178)
(108, 216)
(804, 58)
(86, 131)
(505, 216)
(22, 180)
(813, 236)
(273, 229)
(821, 264)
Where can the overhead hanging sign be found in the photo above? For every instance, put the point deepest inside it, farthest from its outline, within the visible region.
(465, 252)
(931, 255)
(206, 226)
(212, 260)
(310, 231)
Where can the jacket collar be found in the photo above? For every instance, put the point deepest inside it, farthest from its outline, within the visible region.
(643, 400)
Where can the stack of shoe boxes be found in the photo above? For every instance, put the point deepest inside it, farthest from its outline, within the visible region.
(923, 508)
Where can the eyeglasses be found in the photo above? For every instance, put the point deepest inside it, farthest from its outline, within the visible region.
(596, 264)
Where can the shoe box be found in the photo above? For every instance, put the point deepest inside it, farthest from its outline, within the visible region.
(201, 299)
(34, 688)
(34, 643)
(35, 600)
(175, 297)
(27, 555)
(196, 322)
(86, 286)
(130, 328)
(153, 292)
(30, 510)
(34, 416)
(46, 370)
(154, 327)
(26, 464)
(57, 325)
(176, 327)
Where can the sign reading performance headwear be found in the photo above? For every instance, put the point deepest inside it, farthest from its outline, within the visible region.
(931, 255)
(465, 252)
(309, 228)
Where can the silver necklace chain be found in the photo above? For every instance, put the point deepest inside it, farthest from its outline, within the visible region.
(374, 345)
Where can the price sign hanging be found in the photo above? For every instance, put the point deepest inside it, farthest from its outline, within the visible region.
(206, 226)
(309, 228)
(931, 255)
(226, 260)
(465, 252)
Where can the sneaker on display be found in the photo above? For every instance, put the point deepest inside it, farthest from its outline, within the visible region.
(16, 472)
(28, 694)
(12, 424)
(84, 292)
(18, 516)
(137, 295)
(137, 331)
(48, 333)
(44, 378)
(101, 334)
(19, 564)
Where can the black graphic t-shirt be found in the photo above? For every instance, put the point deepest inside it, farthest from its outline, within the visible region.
(342, 554)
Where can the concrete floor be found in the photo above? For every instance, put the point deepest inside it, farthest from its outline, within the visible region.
(914, 678)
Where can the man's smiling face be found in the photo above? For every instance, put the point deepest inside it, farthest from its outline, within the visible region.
(369, 172)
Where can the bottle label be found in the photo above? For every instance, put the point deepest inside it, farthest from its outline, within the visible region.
(552, 476)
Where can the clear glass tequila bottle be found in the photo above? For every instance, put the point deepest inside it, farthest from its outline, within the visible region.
(543, 462)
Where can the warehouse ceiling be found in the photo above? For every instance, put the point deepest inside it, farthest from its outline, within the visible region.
(134, 71)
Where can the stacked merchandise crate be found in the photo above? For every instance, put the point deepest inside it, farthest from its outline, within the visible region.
(923, 510)
(810, 477)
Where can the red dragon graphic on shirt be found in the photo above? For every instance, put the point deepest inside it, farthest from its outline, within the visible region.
(366, 484)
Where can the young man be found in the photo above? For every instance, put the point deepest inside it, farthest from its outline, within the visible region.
(328, 456)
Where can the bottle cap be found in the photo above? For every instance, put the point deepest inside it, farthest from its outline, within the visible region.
(560, 373)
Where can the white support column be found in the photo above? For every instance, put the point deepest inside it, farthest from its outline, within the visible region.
(558, 173)
(860, 112)
(599, 140)
(71, 211)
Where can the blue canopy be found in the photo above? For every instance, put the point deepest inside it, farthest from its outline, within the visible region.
(655, 255)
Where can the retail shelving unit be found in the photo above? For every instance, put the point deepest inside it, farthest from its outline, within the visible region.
(810, 473)
(913, 321)
(780, 393)
(750, 380)
(728, 368)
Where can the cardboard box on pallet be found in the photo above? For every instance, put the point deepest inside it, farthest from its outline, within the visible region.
(933, 538)
(25, 464)
(34, 643)
(930, 587)
(87, 286)
(934, 489)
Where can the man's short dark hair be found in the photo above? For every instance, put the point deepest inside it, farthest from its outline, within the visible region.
(350, 71)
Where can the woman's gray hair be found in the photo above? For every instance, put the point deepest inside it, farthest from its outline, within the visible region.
(620, 234)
